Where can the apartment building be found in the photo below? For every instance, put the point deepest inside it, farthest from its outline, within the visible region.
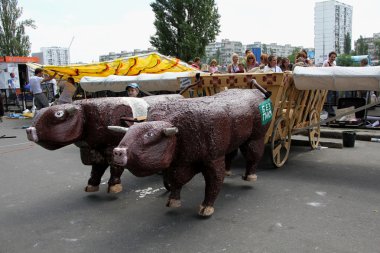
(59, 56)
(222, 51)
(332, 22)
(273, 48)
(112, 55)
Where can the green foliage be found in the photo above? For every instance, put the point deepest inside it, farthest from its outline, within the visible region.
(361, 47)
(377, 48)
(13, 40)
(292, 57)
(265, 49)
(347, 43)
(184, 27)
(344, 60)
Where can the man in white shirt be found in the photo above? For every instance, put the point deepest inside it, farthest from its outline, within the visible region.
(40, 100)
(330, 62)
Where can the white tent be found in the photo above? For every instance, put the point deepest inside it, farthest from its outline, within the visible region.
(337, 78)
(148, 82)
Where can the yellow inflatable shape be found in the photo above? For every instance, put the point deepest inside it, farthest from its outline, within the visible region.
(153, 63)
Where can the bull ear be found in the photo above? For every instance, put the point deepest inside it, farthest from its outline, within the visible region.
(71, 110)
(169, 131)
(118, 129)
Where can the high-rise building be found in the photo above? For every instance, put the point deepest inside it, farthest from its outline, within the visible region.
(112, 55)
(59, 56)
(332, 22)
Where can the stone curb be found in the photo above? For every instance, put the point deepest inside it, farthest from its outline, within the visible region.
(361, 134)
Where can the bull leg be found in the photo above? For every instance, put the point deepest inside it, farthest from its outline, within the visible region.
(214, 176)
(178, 178)
(228, 161)
(253, 151)
(114, 183)
(96, 175)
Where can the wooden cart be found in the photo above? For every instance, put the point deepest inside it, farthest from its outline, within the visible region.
(293, 109)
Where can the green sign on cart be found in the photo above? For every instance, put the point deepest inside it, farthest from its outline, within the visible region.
(266, 111)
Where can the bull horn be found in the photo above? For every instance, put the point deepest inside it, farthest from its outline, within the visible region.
(71, 110)
(169, 131)
(118, 129)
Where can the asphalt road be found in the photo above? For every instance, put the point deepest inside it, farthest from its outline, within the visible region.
(321, 201)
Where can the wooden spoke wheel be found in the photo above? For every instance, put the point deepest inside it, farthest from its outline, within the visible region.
(280, 142)
(315, 131)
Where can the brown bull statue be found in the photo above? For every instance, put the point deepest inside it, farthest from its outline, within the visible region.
(84, 123)
(189, 136)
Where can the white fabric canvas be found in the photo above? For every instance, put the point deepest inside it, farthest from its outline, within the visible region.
(337, 78)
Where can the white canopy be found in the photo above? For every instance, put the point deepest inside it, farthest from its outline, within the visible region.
(148, 82)
(337, 78)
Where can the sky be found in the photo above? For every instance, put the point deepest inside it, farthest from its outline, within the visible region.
(96, 27)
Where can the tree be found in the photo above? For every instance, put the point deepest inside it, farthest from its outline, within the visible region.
(265, 49)
(292, 57)
(347, 43)
(184, 27)
(377, 48)
(13, 40)
(217, 55)
(344, 60)
(361, 47)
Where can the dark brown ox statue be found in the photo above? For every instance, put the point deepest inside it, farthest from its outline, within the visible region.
(189, 136)
(84, 123)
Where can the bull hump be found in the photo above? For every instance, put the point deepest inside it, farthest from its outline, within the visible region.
(139, 106)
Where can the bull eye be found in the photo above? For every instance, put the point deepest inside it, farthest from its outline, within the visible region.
(149, 134)
(59, 114)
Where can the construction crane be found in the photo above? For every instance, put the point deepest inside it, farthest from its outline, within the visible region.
(71, 42)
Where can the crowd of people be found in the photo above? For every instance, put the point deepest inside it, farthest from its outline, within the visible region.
(249, 63)
(272, 63)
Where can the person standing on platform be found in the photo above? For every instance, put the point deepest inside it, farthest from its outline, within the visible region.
(68, 92)
(197, 63)
(330, 62)
(40, 99)
(12, 89)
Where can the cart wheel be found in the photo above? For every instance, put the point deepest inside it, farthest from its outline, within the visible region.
(314, 132)
(281, 138)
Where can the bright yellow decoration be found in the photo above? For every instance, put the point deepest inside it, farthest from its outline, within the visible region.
(153, 63)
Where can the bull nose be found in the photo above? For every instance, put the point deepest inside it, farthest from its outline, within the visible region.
(120, 156)
(31, 132)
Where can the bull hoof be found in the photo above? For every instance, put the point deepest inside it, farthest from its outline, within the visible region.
(173, 203)
(115, 188)
(206, 211)
(250, 178)
(228, 173)
(91, 188)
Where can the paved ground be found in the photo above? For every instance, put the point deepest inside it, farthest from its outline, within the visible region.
(324, 200)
